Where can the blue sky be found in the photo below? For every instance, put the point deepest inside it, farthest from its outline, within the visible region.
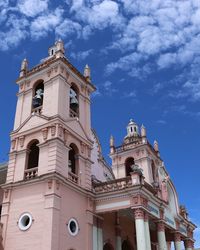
(145, 59)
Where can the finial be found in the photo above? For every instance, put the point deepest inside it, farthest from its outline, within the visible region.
(112, 146)
(87, 72)
(143, 131)
(155, 145)
(24, 67)
(111, 141)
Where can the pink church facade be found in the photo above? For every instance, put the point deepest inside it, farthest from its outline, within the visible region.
(60, 194)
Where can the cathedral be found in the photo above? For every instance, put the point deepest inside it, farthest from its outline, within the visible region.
(58, 193)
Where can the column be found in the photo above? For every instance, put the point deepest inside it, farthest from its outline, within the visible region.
(140, 229)
(94, 234)
(162, 244)
(147, 232)
(177, 241)
(99, 235)
(118, 238)
(189, 245)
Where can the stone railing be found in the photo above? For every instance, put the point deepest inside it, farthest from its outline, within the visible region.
(30, 173)
(37, 110)
(73, 177)
(112, 185)
(73, 113)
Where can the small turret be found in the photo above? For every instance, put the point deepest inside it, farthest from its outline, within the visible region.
(60, 50)
(57, 49)
(112, 146)
(132, 129)
(156, 147)
(24, 68)
(87, 72)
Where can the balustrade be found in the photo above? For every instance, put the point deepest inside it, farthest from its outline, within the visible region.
(73, 177)
(30, 173)
(113, 185)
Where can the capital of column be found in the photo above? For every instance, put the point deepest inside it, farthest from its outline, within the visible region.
(177, 236)
(139, 213)
(160, 226)
(189, 244)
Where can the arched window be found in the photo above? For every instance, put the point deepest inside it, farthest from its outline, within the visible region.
(38, 95)
(128, 164)
(74, 101)
(108, 246)
(126, 245)
(73, 160)
(33, 156)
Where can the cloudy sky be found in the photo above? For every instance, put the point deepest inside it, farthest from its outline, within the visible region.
(145, 61)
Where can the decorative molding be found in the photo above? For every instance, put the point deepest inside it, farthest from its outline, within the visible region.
(45, 133)
(50, 183)
(13, 144)
(139, 213)
(53, 130)
(160, 226)
(189, 244)
(177, 236)
(21, 141)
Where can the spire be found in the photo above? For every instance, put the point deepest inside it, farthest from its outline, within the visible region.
(87, 72)
(24, 67)
(112, 146)
(156, 147)
(143, 131)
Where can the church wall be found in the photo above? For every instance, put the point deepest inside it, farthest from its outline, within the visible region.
(74, 205)
(27, 198)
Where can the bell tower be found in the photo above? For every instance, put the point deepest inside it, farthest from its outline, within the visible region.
(50, 157)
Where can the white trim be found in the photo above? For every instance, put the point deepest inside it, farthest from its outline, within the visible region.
(69, 229)
(21, 222)
(113, 205)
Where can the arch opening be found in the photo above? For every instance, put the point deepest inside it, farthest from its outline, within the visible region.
(73, 159)
(108, 246)
(74, 101)
(33, 157)
(126, 245)
(128, 164)
(38, 95)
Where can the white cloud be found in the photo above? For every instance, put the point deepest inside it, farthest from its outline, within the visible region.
(193, 89)
(97, 14)
(81, 55)
(16, 32)
(67, 28)
(46, 23)
(32, 8)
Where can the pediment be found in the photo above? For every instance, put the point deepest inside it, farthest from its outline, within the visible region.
(32, 122)
(77, 128)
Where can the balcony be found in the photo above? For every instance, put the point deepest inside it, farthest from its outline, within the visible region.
(30, 173)
(113, 185)
(73, 177)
